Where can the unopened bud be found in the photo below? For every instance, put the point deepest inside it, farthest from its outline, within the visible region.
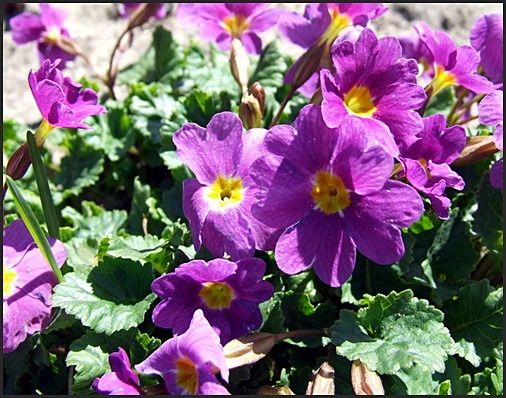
(364, 381)
(322, 381)
(477, 148)
(306, 65)
(280, 390)
(68, 45)
(248, 349)
(239, 63)
(19, 162)
(142, 14)
(251, 108)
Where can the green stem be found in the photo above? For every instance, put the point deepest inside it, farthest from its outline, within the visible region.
(299, 333)
(456, 105)
(467, 120)
(43, 187)
(33, 227)
(283, 105)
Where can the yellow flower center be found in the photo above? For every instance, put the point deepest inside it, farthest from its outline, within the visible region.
(225, 192)
(52, 36)
(187, 377)
(9, 281)
(217, 295)
(329, 193)
(442, 79)
(359, 101)
(337, 24)
(235, 24)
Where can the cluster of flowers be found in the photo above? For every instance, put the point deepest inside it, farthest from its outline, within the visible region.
(346, 176)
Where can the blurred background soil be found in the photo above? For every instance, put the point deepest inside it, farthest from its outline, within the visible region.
(96, 27)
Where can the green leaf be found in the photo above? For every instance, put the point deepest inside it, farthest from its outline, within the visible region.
(162, 62)
(441, 103)
(136, 248)
(475, 318)
(417, 380)
(90, 354)
(271, 67)
(112, 296)
(452, 381)
(201, 106)
(33, 227)
(394, 332)
(112, 132)
(43, 187)
(79, 170)
(488, 218)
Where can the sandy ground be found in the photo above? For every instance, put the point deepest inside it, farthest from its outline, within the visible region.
(97, 25)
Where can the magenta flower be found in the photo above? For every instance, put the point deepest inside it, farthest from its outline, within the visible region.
(121, 380)
(126, 9)
(217, 203)
(189, 362)
(332, 192)
(222, 22)
(228, 293)
(453, 66)
(490, 110)
(487, 38)
(413, 47)
(426, 161)
(28, 283)
(377, 87)
(45, 29)
(61, 101)
(320, 25)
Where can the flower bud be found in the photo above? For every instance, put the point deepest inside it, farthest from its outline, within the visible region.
(280, 390)
(322, 381)
(477, 148)
(142, 14)
(251, 108)
(306, 65)
(364, 381)
(248, 349)
(19, 162)
(239, 63)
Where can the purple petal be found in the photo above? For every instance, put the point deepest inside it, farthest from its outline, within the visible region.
(317, 240)
(490, 108)
(195, 208)
(465, 71)
(52, 17)
(228, 232)
(374, 222)
(284, 196)
(26, 27)
(487, 38)
(211, 151)
(496, 174)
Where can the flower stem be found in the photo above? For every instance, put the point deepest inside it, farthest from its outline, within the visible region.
(457, 103)
(282, 107)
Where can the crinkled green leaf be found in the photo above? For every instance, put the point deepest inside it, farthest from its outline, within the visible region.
(452, 381)
(80, 169)
(475, 318)
(161, 62)
(417, 380)
(202, 106)
(272, 313)
(488, 382)
(112, 132)
(271, 67)
(441, 103)
(135, 248)
(488, 218)
(112, 296)
(90, 354)
(394, 332)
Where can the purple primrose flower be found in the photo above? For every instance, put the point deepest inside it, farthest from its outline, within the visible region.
(426, 161)
(330, 188)
(491, 111)
(454, 66)
(217, 203)
(189, 362)
(121, 380)
(376, 86)
(228, 293)
(46, 29)
(222, 22)
(28, 283)
(61, 101)
(126, 9)
(320, 25)
(487, 38)
(413, 47)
